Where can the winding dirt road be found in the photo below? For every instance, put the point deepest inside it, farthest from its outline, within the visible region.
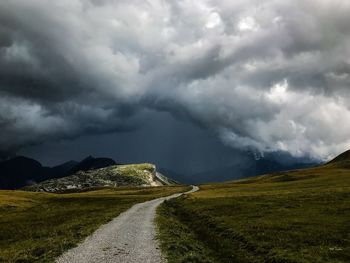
(128, 238)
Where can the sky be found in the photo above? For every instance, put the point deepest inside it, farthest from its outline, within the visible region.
(175, 145)
(228, 76)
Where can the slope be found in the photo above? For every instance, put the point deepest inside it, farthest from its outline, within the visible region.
(111, 176)
(292, 216)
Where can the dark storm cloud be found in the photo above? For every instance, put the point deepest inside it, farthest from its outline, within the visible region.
(272, 76)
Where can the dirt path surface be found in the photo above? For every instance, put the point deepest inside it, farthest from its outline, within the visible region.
(128, 238)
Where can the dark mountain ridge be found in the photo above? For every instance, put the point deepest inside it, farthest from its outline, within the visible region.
(270, 163)
(21, 171)
(90, 163)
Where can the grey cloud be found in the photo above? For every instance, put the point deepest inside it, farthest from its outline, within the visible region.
(272, 76)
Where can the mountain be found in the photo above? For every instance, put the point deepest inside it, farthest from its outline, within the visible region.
(90, 163)
(63, 169)
(264, 166)
(268, 164)
(21, 171)
(112, 176)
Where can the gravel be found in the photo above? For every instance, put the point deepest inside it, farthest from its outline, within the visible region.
(128, 238)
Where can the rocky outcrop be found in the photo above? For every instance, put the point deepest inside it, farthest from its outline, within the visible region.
(111, 176)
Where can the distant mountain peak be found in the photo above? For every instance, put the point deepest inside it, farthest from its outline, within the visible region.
(20, 171)
(90, 163)
(88, 158)
(15, 172)
(22, 158)
(21, 161)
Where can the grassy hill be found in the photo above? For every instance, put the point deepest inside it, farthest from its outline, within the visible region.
(112, 176)
(37, 227)
(293, 216)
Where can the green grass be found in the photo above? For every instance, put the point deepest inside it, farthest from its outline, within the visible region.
(142, 170)
(296, 216)
(38, 227)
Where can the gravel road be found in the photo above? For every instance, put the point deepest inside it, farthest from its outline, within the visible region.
(128, 238)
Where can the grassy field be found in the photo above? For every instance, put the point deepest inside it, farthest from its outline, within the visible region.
(37, 227)
(297, 216)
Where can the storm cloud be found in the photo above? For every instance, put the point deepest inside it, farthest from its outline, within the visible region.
(271, 76)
